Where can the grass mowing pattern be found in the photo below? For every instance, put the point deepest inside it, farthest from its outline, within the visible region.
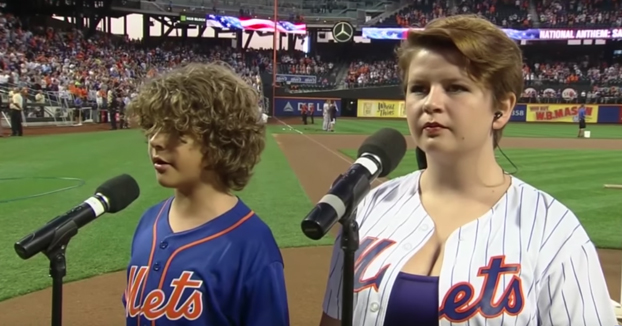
(274, 193)
(513, 129)
(96, 157)
(574, 177)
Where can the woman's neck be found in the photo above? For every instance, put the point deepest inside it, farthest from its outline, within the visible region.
(462, 174)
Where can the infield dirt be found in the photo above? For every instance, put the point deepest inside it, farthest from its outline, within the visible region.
(316, 161)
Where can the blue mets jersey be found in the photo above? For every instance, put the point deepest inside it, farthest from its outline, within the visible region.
(227, 272)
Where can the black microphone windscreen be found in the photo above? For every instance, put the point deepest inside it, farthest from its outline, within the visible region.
(121, 191)
(389, 145)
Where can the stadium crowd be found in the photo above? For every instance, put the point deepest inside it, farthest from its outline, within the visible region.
(73, 71)
(506, 13)
(586, 13)
(383, 72)
(515, 13)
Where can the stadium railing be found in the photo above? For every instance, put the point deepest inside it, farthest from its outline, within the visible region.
(56, 110)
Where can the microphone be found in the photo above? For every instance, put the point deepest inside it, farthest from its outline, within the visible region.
(378, 156)
(112, 196)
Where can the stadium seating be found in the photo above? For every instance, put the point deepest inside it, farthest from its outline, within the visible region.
(293, 10)
(592, 13)
(514, 13)
(68, 70)
(297, 63)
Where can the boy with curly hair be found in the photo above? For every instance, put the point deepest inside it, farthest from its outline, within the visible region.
(202, 257)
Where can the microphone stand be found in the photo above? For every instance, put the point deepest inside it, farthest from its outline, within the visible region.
(349, 245)
(58, 267)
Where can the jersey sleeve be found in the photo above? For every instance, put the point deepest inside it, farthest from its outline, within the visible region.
(267, 298)
(332, 296)
(573, 291)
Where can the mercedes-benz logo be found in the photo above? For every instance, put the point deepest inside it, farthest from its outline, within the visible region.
(343, 32)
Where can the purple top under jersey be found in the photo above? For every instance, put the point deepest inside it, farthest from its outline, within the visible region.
(413, 300)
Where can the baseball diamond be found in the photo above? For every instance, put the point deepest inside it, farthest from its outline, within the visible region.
(315, 159)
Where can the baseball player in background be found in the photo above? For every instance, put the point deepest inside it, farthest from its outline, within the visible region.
(202, 257)
(326, 116)
(462, 242)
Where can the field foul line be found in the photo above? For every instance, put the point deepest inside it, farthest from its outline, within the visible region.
(332, 151)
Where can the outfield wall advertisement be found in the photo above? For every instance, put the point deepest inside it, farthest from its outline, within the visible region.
(380, 109)
(519, 114)
(567, 113)
(397, 109)
(292, 106)
(539, 113)
(560, 113)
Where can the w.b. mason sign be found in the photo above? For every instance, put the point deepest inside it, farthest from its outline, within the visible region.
(343, 32)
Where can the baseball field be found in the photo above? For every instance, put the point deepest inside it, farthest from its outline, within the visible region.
(53, 169)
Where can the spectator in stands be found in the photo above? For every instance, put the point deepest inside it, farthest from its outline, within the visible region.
(40, 98)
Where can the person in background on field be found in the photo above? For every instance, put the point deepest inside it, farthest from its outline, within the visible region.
(113, 109)
(333, 115)
(581, 117)
(110, 99)
(123, 123)
(311, 112)
(77, 109)
(10, 99)
(1, 117)
(99, 99)
(16, 107)
(326, 116)
(304, 110)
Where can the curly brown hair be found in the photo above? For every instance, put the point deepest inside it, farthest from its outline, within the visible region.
(212, 105)
(489, 56)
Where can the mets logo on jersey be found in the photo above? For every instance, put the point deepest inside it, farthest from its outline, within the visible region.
(460, 302)
(185, 300)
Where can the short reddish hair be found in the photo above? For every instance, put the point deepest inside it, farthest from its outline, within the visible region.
(490, 57)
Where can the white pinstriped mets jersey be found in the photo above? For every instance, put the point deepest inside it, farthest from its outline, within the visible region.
(528, 261)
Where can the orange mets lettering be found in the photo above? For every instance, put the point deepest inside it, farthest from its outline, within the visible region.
(369, 250)
(460, 304)
(156, 305)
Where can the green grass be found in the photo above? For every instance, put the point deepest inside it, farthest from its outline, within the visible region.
(516, 129)
(103, 246)
(574, 177)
